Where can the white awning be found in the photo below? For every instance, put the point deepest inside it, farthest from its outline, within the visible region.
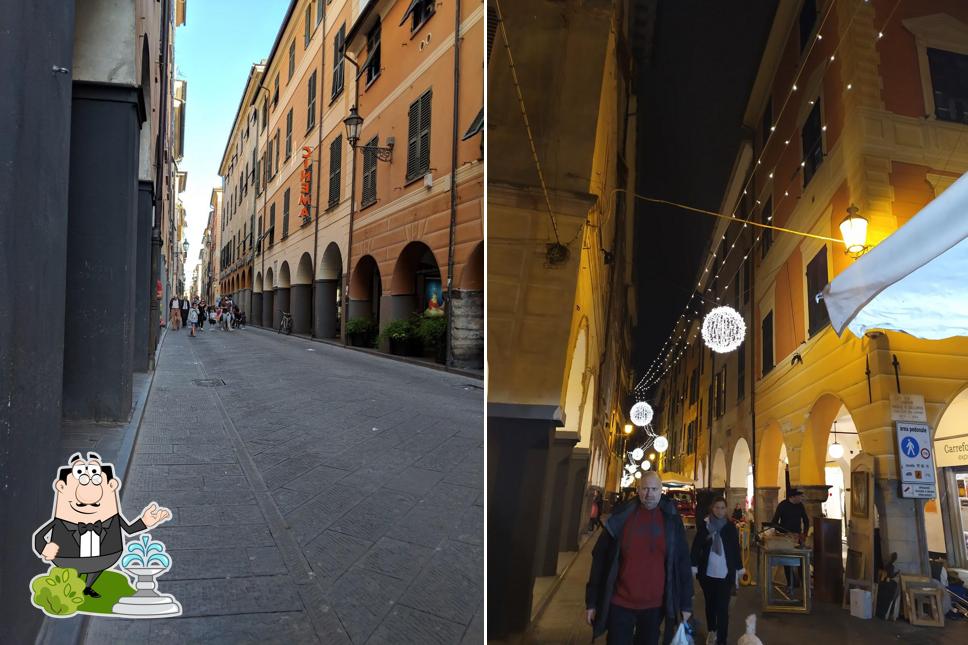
(915, 281)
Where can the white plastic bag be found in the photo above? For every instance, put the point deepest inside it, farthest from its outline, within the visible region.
(683, 636)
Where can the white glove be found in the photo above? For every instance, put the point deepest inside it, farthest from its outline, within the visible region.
(695, 571)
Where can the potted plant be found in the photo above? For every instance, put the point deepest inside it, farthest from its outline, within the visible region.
(359, 331)
(432, 333)
(400, 336)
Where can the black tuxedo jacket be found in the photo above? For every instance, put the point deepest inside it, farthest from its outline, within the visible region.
(65, 535)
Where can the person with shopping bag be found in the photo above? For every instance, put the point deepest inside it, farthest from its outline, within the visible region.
(641, 573)
(718, 563)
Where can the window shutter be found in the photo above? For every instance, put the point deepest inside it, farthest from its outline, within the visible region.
(413, 137)
(285, 213)
(335, 159)
(491, 29)
(369, 173)
(425, 132)
(816, 280)
(767, 337)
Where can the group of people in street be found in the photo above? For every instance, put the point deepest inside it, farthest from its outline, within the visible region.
(224, 314)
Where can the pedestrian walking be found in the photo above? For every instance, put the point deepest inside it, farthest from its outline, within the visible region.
(174, 315)
(227, 318)
(202, 316)
(718, 564)
(193, 318)
(595, 512)
(184, 310)
(641, 570)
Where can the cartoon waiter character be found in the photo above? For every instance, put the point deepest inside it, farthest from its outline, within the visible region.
(85, 531)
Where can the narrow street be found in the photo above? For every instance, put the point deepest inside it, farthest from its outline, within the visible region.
(319, 495)
(563, 621)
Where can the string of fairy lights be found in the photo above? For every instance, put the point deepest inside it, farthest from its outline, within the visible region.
(723, 328)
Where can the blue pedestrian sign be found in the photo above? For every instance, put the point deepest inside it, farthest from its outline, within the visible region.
(915, 459)
(909, 446)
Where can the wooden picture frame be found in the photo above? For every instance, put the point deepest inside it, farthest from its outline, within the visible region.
(859, 494)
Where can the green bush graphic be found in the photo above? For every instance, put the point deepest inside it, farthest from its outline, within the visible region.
(59, 593)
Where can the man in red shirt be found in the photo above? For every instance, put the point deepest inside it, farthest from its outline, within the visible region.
(641, 570)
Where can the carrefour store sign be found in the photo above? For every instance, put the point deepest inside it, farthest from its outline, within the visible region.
(951, 451)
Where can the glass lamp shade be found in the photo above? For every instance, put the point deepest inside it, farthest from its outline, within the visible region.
(835, 450)
(353, 124)
(854, 231)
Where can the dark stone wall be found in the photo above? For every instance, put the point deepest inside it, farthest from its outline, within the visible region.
(35, 134)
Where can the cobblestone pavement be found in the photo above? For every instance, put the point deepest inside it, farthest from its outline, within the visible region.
(563, 622)
(319, 495)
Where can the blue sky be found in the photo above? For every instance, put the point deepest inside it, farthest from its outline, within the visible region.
(213, 52)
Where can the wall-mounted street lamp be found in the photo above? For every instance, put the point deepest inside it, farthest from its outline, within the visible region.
(854, 231)
(353, 123)
(628, 428)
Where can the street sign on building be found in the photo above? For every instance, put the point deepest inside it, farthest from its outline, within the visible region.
(908, 407)
(915, 459)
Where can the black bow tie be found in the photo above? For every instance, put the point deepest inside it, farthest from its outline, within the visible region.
(96, 527)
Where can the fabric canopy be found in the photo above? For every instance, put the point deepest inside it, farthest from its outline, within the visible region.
(915, 281)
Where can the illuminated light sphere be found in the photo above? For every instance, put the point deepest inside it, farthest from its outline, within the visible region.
(661, 444)
(645, 466)
(627, 481)
(641, 414)
(723, 329)
(631, 468)
(836, 450)
(638, 474)
(637, 454)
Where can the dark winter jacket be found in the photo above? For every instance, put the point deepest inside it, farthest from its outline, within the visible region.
(703, 543)
(606, 563)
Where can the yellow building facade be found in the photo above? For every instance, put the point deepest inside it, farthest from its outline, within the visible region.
(870, 122)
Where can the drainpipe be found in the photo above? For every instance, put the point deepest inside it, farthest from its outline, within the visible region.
(453, 191)
(349, 244)
(153, 310)
(319, 167)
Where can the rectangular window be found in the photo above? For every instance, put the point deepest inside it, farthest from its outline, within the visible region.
(811, 137)
(265, 113)
(767, 341)
(949, 84)
(272, 224)
(309, 25)
(269, 162)
(741, 373)
(276, 148)
(766, 239)
(694, 386)
(319, 11)
(275, 92)
(258, 249)
(335, 160)
(419, 11)
(808, 18)
(339, 43)
(372, 64)
(311, 102)
(418, 137)
(816, 281)
(289, 134)
(285, 214)
(369, 173)
(292, 60)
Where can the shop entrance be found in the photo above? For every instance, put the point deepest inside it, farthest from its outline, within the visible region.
(946, 516)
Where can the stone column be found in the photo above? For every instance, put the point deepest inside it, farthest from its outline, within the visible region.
(255, 316)
(734, 496)
(359, 309)
(467, 329)
(518, 440)
(326, 311)
(764, 503)
(268, 306)
(301, 301)
(572, 519)
(901, 523)
(392, 308)
(101, 252)
(280, 303)
(144, 289)
(549, 527)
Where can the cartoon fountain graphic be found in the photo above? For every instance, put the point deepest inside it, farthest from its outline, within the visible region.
(145, 561)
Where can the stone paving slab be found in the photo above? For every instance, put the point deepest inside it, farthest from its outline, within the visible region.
(314, 497)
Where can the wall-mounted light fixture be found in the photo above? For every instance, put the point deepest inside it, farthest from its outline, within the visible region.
(854, 231)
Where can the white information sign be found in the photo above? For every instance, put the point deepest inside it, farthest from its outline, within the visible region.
(951, 451)
(908, 407)
(917, 491)
(915, 454)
